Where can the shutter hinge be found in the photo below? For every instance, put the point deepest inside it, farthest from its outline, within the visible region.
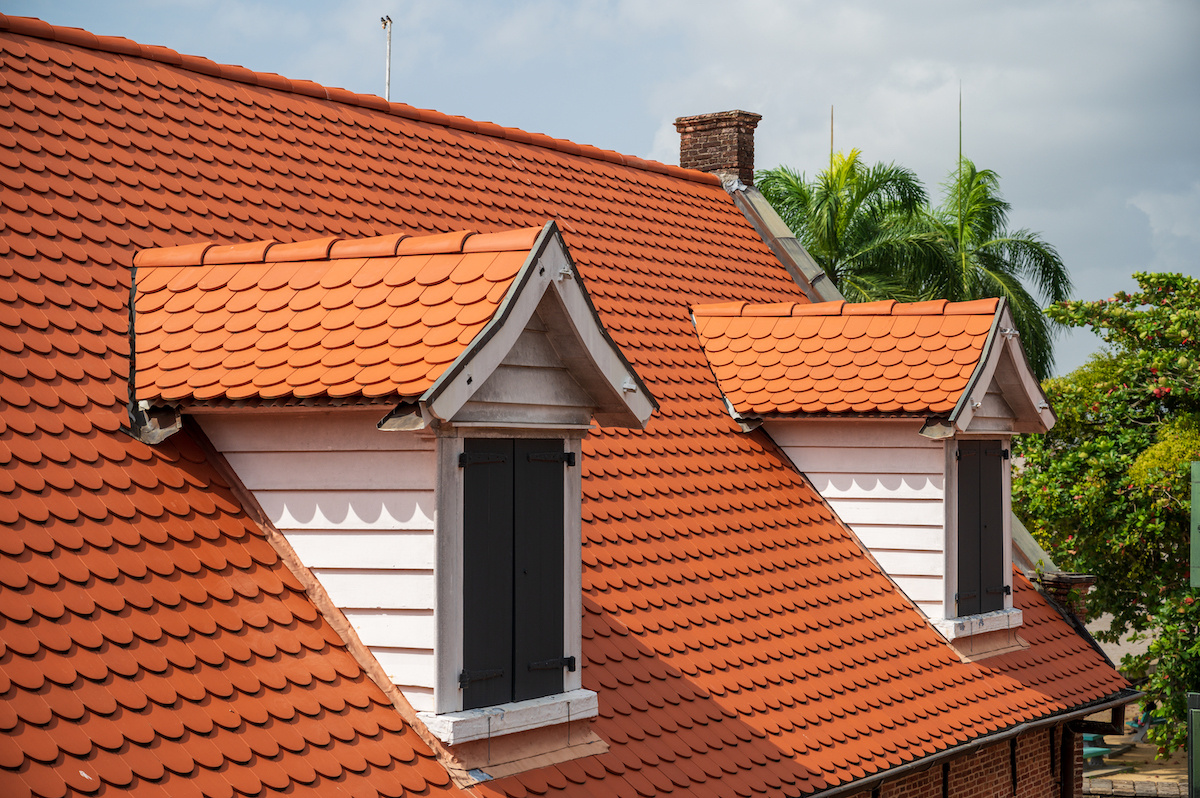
(553, 457)
(1002, 453)
(971, 594)
(1005, 589)
(554, 664)
(474, 458)
(466, 677)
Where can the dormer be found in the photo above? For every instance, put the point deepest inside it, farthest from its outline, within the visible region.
(407, 411)
(901, 416)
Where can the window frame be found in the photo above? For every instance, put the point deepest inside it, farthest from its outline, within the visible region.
(448, 571)
(1008, 617)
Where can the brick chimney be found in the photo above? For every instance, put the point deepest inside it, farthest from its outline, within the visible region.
(721, 143)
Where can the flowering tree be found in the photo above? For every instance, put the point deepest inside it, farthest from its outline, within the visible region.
(1106, 491)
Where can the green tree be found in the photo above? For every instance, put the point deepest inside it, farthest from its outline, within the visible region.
(979, 257)
(860, 223)
(1105, 491)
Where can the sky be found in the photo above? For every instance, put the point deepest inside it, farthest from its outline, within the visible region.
(1088, 111)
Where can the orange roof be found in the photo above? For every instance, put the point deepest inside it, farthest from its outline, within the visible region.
(843, 358)
(738, 636)
(376, 317)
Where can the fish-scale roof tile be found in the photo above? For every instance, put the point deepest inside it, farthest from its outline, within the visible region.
(729, 621)
(232, 356)
(938, 345)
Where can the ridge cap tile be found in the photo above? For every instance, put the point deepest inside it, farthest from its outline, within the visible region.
(236, 254)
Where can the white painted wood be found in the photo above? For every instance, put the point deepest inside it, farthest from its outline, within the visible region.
(359, 588)
(920, 487)
(453, 728)
(891, 537)
(861, 460)
(1008, 618)
(411, 510)
(925, 591)
(348, 470)
(448, 605)
(888, 484)
(421, 698)
(405, 665)
(395, 628)
(358, 507)
(314, 431)
(536, 385)
(911, 563)
(395, 550)
(898, 513)
(883, 433)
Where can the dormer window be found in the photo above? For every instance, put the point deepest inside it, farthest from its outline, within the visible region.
(901, 416)
(512, 529)
(984, 575)
(427, 400)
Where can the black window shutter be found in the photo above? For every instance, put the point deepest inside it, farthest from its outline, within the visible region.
(487, 675)
(991, 526)
(980, 527)
(513, 570)
(538, 571)
(968, 528)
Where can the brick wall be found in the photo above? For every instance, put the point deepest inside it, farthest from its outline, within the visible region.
(987, 773)
(721, 143)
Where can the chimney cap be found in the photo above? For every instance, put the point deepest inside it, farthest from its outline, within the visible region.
(718, 119)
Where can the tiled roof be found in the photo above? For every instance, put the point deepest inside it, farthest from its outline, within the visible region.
(739, 638)
(381, 316)
(838, 357)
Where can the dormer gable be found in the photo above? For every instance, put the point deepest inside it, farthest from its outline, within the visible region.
(407, 412)
(901, 415)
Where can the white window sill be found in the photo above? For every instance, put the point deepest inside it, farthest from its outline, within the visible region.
(453, 728)
(954, 628)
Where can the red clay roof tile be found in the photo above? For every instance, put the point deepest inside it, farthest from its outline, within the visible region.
(325, 298)
(938, 338)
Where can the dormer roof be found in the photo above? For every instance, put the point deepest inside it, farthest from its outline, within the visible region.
(386, 319)
(887, 358)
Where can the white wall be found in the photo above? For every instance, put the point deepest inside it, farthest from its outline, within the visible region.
(357, 505)
(887, 483)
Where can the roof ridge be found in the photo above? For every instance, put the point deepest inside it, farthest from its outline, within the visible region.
(886, 307)
(207, 253)
(37, 28)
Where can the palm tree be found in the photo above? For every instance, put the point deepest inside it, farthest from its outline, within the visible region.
(978, 258)
(861, 224)
(872, 231)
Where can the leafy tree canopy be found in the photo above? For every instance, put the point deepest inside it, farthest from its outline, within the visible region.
(1106, 490)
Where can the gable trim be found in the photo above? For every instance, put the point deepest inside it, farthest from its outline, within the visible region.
(1003, 337)
(548, 274)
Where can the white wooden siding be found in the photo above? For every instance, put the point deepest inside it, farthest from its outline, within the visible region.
(358, 507)
(531, 387)
(888, 484)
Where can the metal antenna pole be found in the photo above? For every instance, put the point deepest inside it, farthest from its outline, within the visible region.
(386, 22)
